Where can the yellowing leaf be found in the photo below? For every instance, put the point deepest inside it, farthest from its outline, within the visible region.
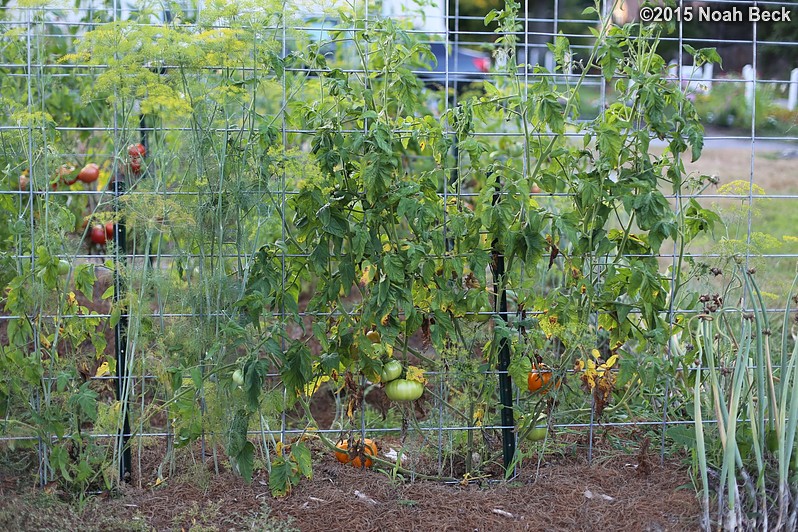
(589, 372)
(416, 374)
(479, 414)
(315, 384)
(44, 341)
(369, 271)
(610, 362)
(103, 370)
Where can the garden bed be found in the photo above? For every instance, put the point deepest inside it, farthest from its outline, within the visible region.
(619, 491)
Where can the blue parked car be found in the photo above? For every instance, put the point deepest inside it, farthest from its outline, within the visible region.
(454, 64)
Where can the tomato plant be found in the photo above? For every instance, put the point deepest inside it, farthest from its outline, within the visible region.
(383, 221)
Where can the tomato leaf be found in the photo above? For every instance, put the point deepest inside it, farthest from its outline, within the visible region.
(301, 455)
(85, 402)
(519, 370)
(280, 477)
(239, 449)
(245, 461)
(297, 370)
(116, 314)
(85, 278)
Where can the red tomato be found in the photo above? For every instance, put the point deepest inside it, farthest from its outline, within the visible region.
(136, 150)
(109, 230)
(98, 234)
(89, 173)
(135, 165)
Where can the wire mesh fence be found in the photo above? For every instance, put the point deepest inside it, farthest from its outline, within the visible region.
(285, 199)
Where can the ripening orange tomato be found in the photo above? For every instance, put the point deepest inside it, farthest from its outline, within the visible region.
(346, 457)
(540, 379)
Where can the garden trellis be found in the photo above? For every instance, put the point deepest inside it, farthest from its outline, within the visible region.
(520, 217)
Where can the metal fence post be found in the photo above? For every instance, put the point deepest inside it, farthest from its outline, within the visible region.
(505, 382)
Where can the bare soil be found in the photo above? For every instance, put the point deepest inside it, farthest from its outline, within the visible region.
(772, 170)
(617, 492)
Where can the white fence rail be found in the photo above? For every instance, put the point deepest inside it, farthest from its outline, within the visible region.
(699, 80)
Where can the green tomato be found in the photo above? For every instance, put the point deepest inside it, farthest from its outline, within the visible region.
(404, 390)
(238, 377)
(478, 318)
(538, 433)
(63, 267)
(391, 370)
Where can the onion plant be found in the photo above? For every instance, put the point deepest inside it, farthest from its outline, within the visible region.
(752, 393)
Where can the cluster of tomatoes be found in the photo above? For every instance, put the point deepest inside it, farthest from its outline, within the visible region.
(395, 388)
(100, 234)
(66, 175)
(136, 153)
